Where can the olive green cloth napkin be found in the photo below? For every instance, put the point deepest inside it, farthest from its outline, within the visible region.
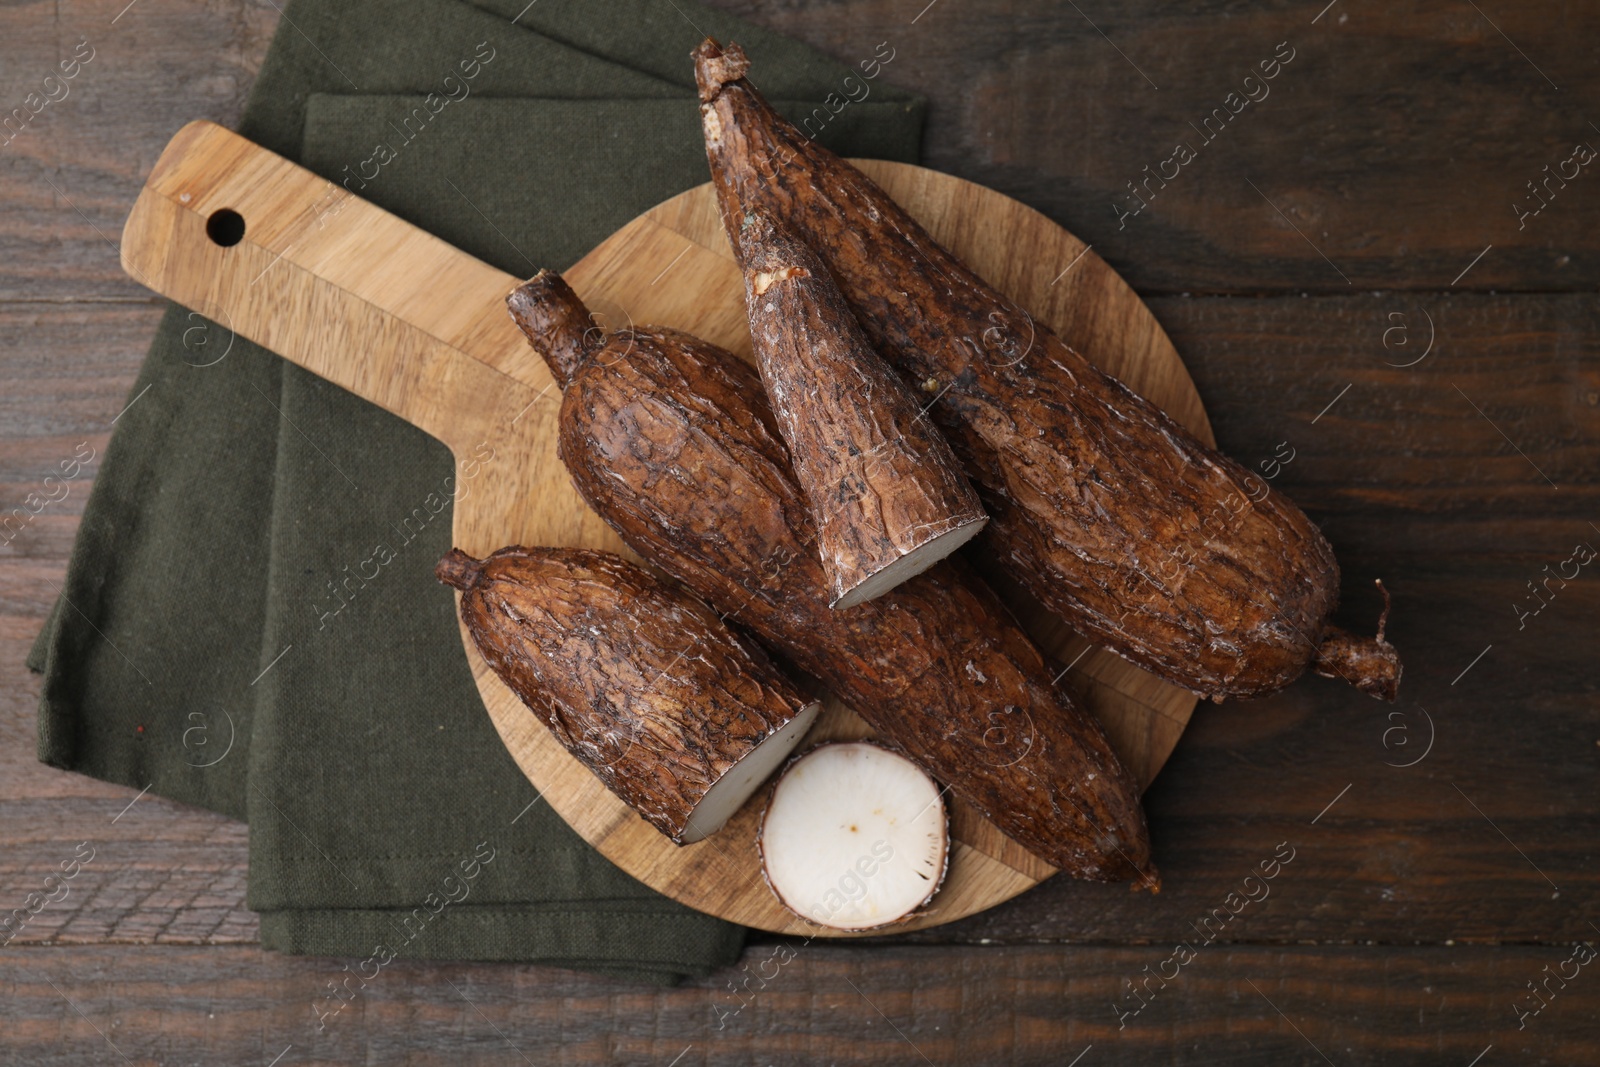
(250, 621)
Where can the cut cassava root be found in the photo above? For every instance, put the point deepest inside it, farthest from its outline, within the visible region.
(670, 440)
(887, 495)
(1107, 511)
(639, 680)
(854, 837)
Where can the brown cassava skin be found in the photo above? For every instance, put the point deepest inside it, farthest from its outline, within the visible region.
(639, 680)
(879, 477)
(1107, 511)
(671, 441)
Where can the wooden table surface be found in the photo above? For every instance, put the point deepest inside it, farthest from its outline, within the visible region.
(1345, 271)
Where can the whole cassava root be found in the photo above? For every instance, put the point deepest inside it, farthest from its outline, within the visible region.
(670, 441)
(887, 495)
(638, 679)
(1107, 511)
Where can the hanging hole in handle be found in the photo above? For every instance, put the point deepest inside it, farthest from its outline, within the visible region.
(225, 227)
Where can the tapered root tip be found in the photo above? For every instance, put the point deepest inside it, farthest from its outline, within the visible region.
(716, 66)
(1149, 880)
(456, 568)
(1371, 664)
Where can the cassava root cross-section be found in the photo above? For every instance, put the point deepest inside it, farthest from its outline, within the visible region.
(1107, 511)
(854, 837)
(670, 440)
(638, 679)
(887, 495)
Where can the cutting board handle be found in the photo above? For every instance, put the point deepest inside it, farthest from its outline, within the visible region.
(272, 252)
(269, 250)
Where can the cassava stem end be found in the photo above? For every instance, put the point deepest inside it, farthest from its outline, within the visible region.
(556, 323)
(456, 568)
(716, 66)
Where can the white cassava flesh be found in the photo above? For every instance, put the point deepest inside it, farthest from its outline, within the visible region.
(854, 837)
(745, 777)
(911, 564)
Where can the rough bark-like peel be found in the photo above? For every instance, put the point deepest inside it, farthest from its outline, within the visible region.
(1111, 514)
(638, 679)
(887, 495)
(670, 440)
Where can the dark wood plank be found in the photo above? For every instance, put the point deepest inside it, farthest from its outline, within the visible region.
(154, 872)
(1036, 104)
(820, 1004)
(68, 369)
(1394, 142)
(1495, 422)
(70, 176)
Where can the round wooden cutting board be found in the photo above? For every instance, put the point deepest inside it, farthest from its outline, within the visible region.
(397, 316)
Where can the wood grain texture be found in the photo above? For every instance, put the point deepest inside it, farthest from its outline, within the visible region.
(68, 179)
(392, 313)
(1418, 125)
(1396, 140)
(1256, 1005)
(1388, 151)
